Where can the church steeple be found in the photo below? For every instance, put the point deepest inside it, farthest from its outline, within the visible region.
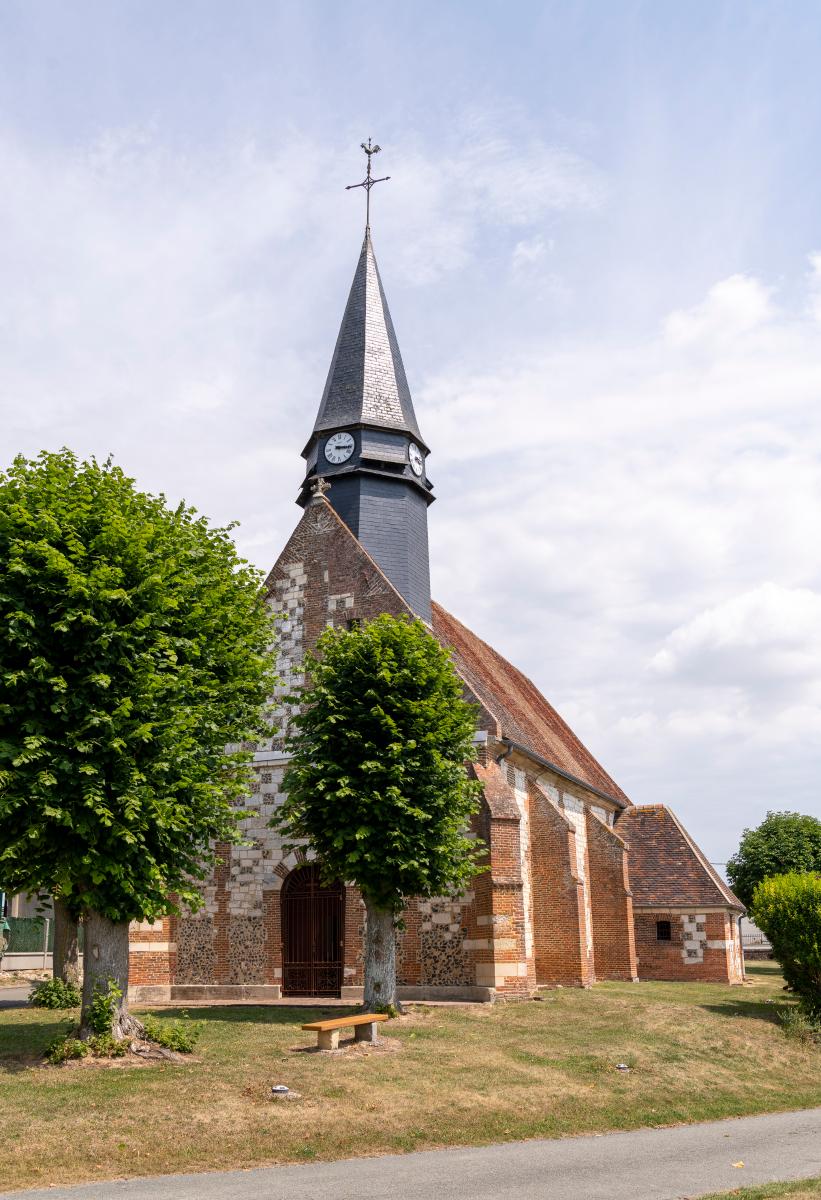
(366, 382)
(366, 441)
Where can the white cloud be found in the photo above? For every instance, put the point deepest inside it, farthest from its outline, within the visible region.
(732, 308)
(815, 287)
(767, 633)
(479, 178)
(528, 252)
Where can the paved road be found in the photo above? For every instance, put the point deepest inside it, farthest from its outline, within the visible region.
(650, 1164)
(14, 997)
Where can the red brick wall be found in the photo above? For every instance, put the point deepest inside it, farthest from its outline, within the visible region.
(507, 908)
(353, 958)
(558, 898)
(614, 947)
(669, 960)
(158, 966)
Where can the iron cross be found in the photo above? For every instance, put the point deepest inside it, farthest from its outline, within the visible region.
(367, 183)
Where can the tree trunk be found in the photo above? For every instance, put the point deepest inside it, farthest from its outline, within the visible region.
(66, 959)
(105, 959)
(380, 958)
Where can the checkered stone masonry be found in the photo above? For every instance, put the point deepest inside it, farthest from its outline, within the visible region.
(694, 937)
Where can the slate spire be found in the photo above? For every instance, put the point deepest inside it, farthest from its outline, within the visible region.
(366, 442)
(366, 382)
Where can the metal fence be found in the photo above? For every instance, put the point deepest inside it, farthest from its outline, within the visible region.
(29, 942)
(29, 935)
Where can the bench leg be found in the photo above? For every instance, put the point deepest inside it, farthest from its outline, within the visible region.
(327, 1039)
(367, 1033)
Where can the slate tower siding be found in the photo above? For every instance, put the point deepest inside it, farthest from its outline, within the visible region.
(389, 517)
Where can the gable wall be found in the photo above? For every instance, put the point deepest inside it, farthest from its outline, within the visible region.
(234, 943)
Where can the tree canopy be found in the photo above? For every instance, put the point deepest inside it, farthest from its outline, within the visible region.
(783, 842)
(135, 647)
(377, 783)
(788, 908)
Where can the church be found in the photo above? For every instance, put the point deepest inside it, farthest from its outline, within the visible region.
(581, 885)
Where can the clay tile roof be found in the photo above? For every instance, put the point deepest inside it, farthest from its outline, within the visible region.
(667, 869)
(520, 710)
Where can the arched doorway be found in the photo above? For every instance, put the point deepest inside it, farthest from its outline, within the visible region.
(313, 927)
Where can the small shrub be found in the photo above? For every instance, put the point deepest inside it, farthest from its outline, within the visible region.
(788, 909)
(181, 1035)
(64, 1048)
(103, 1006)
(99, 1045)
(54, 993)
(389, 1010)
(801, 1026)
(103, 1045)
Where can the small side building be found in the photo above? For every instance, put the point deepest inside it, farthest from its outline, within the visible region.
(687, 920)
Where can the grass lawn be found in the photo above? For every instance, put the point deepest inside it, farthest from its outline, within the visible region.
(461, 1075)
(803, 1189)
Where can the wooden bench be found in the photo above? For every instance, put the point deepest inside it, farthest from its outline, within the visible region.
(364, 1027)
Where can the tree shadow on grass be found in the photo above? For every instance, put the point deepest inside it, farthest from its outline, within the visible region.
(22, 1043)
(756, 1010)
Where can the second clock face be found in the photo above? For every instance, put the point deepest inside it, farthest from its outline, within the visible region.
(339, 448)
(415, 458)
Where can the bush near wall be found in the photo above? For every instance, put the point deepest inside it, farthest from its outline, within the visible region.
(788, 909)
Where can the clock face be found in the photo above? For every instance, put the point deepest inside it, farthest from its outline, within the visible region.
(415, 458)
(339, 448)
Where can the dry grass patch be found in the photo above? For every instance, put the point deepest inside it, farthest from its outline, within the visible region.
(802, 1189)
(460, 1076)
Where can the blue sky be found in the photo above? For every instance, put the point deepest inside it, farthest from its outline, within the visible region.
(601, 247)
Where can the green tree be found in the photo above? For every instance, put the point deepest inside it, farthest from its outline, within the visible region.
(784, 841)
(788, 909)
(135, 647)
(377, 784)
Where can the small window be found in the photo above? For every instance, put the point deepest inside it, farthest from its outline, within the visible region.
(664, 931)
(353, 623)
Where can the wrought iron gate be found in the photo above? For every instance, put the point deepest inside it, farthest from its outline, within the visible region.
(312, 934)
